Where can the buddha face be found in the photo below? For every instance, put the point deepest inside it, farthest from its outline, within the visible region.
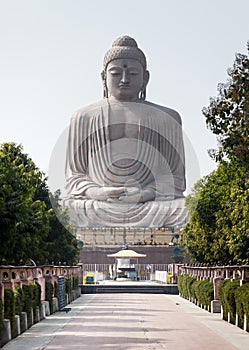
(125, 78)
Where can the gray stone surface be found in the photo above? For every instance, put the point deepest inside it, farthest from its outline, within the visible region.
(215, 306)
(125, 156)
(55, 304)
(17, 328)
(24, 322)
(6, 332)
(46, 305)
(132, 322)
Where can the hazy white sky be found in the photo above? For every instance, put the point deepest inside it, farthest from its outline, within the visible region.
(52, 52)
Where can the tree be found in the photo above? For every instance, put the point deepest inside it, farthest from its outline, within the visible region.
(60, 245)
(22, 219)
(218, 230)
(233, 219)
(29, 227)
(228, 114)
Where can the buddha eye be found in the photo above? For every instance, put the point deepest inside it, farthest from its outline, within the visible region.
(133, 72)
(115, 72)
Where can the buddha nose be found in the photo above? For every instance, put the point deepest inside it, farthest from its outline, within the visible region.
(124, 78)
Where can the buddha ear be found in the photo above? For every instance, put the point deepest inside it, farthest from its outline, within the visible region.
(103, 77)
(146, 77)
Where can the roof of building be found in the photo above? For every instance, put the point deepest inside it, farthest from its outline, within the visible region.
(126, 254)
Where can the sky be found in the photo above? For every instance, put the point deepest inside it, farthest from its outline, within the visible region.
(52, 53)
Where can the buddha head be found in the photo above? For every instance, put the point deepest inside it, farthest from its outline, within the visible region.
(124, 74)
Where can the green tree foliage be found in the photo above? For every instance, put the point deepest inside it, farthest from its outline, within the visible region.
(22, 219)
(60, 244)
(196, 290)
(228, 114)
(242, 304)
(49, 293)
(227, 294)
(218, 230)
(19, 298)
(29, 227)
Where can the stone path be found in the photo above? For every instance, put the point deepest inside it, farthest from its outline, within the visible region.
(132, 322)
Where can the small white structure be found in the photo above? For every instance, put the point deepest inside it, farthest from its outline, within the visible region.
(126, 261)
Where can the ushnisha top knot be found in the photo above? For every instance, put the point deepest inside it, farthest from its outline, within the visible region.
(124, 47)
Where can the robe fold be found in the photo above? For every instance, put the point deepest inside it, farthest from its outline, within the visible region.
(148, 155)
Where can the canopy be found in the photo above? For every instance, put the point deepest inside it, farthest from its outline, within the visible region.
(126, 254)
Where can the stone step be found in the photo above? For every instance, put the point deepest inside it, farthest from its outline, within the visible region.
(160, 289)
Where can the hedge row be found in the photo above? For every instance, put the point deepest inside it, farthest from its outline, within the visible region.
(9, 306)
(49, 293)
(234, 299)
(196, 290)
(71, 284)
(51, 290)
(19, 300)
(75, 282)
(29, 297)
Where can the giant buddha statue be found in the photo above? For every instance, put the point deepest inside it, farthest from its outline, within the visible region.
(125, 155)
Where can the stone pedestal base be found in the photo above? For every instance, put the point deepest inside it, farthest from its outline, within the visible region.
(6, 332)
(215, 306)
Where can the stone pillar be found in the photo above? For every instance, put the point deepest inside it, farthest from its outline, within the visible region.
(55, 304)
(215, 304)
(6, 332)
(42, 311)
(24, 322)
(37, 316)
(45, 305)
(216, 282)
(80, 273)
(245, 323)
(31, 318)
(227, 274)
(17, 327)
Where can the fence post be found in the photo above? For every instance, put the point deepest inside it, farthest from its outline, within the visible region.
(215, 304)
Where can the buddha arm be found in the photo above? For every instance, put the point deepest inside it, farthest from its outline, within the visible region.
(78, 183)
(77, 179)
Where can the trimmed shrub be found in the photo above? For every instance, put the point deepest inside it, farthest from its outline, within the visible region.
(204, 292)
(197, 291)
(75, 282)
(27, 300)
(242, 304)
(223, 297)
(36, 295)
(185, 286)
(49, 290)
(18, 300)
(68, 285)
(9, 307)
(189, 287)
(207, 293)
(56, 291)
(227, 290)
(180, 283)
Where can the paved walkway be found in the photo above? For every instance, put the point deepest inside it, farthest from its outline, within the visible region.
(132, 322)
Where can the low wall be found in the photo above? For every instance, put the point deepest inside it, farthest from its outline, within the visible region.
(216, 274)
(11, 276)
(19, 276)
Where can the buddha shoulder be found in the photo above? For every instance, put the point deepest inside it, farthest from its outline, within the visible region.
(168, 111)
(89, 111)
